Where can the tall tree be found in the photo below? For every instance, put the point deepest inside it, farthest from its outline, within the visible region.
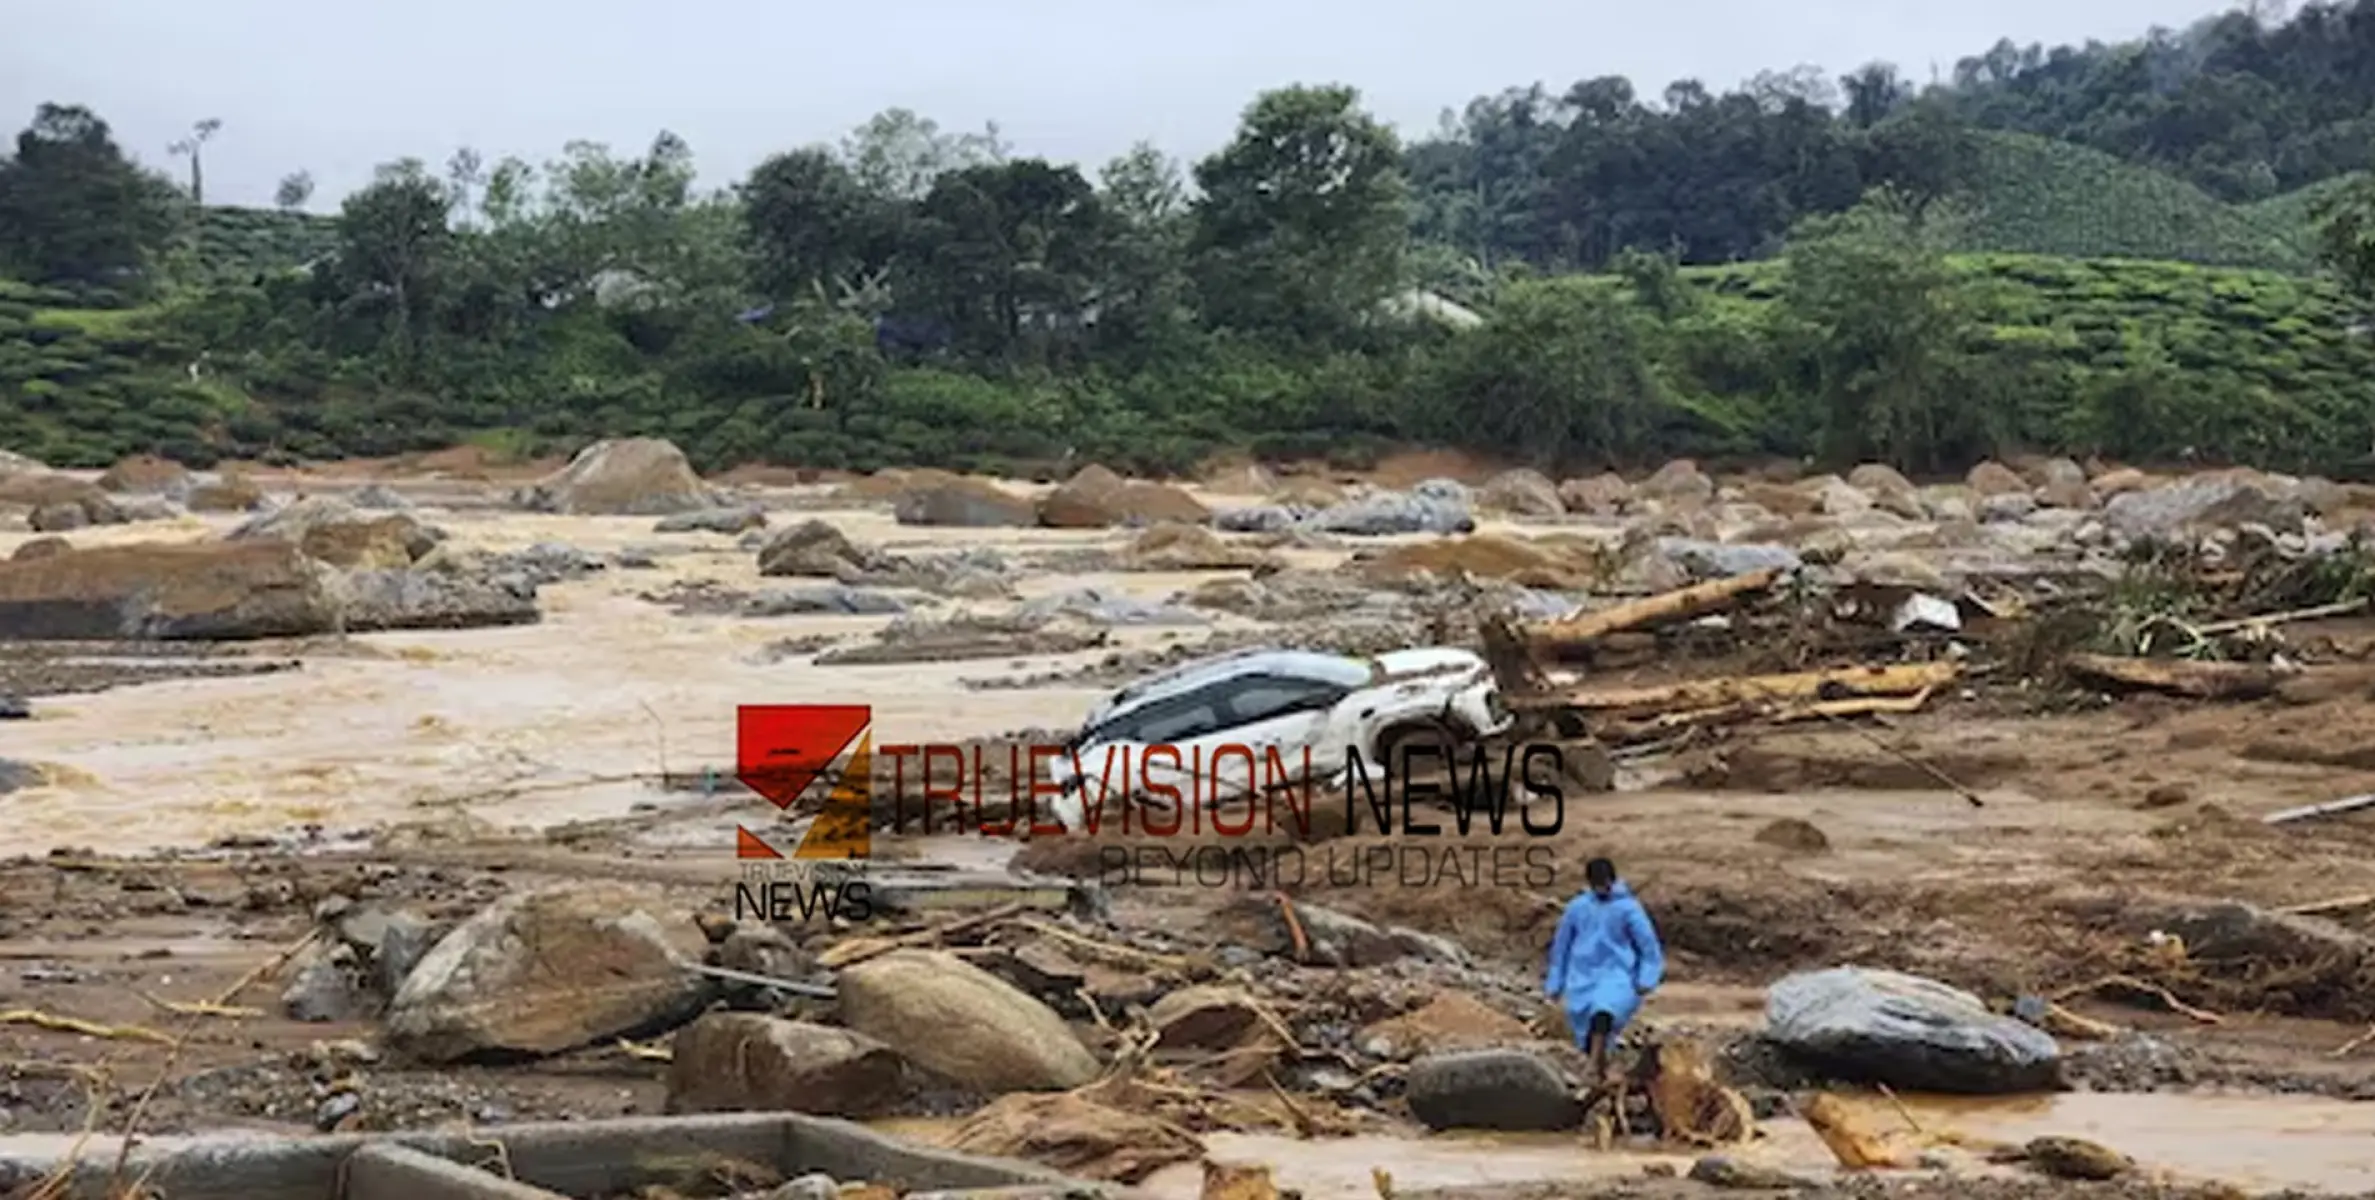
(1304, 217)
(812, 225)
(1144, 293)
(1008, 250)
(74, 208)
(193, 147)
(395, 246)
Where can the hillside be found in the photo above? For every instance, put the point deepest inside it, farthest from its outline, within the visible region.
(83, 387)
(2255, 365)
(2037, 196)
(238, 243)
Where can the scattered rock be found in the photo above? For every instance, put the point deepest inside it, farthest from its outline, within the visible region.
(2167, 795)
(1338, 939)
(1098, 606)
(378, 600)
(380, 497)
(746, 1062)
(1724, 1171)
(1908, 1032)
(1602, 495)
(325, 987)
(1522, 493)
(1791, 833)
(2075, 1158)
(544, 971)
(2201, 504)
(59, 518)
(1490, 1089)
(627, 477)
(147, 474)
(814, 548)
(1079, 1137)
(1717, 560)
(913, 1000)
(234, 492)
(334, 531)
(1096, 498)
(15, 708)
(1678, 483)
(1443, 509)
(728, 521)
(203, 591)
(1995, 479)
(1173, 546)
(832, 598)
(965, 503)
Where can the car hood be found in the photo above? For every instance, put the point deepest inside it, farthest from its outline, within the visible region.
(1426, 661)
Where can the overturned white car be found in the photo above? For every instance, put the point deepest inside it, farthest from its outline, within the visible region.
(1301, 711)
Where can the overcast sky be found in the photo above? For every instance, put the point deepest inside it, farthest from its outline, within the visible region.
(334, 87)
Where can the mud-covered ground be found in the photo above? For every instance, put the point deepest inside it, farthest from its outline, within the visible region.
(1758, 851)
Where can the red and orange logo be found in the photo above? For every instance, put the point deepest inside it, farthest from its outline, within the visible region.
(783, 749)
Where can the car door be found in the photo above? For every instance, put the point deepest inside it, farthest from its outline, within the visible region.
(1278, 714)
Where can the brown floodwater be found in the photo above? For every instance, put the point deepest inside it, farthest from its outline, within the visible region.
(2255, 1142)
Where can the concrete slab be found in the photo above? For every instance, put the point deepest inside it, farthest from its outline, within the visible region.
(546, 1161)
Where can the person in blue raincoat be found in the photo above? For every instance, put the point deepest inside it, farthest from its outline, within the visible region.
(1604, 959)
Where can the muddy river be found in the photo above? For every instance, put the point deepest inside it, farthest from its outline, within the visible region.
(2260, 1143)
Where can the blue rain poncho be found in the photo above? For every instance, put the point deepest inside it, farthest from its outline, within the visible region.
(1605, 957)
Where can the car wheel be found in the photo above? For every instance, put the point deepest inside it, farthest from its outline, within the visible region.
(1429, 747)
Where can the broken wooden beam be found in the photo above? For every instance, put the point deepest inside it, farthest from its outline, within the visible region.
(1723, 696)
(2177, 677)
(1681, 604)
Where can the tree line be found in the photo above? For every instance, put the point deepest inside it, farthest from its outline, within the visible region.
(919, 294)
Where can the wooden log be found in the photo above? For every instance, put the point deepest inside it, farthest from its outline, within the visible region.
(1681, 604)
(2176, 677)
(1793, 689)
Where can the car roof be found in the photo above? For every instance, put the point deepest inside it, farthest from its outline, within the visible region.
(1339, 669)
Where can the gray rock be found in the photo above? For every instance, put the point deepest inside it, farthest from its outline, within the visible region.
(1440, 510)
(16, 775)
(324, 989)
(1908, 1032)
(59, 518)
(379, 496)
(1101, 607)
(808, 1187)
(14, 708)
(2006, 506)
(381, 600)
(729, 521)
(548, 562)
(833, 598)
(1716, 560)
(1490, 1089)
(148, 508)
(2202, 504)
(1261, 518)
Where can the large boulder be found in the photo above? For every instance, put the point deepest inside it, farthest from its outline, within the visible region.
(2203, 504)
(12, 463)
(1679, 483)
(550, 970)
(146, 474)
(383, 599)
(628, 477)
(1490, 1089)
(963, 1023)
(1993, 478)
(1097, 499)
(206, 591)
(1521, 493)
(1176, 547)
(59, 503)
(234, 492)
(1907, 1032)
(814, 549)
(334, 531)
(966, 503)
(1602, 495)
(1436, 506)
(744, 1062)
